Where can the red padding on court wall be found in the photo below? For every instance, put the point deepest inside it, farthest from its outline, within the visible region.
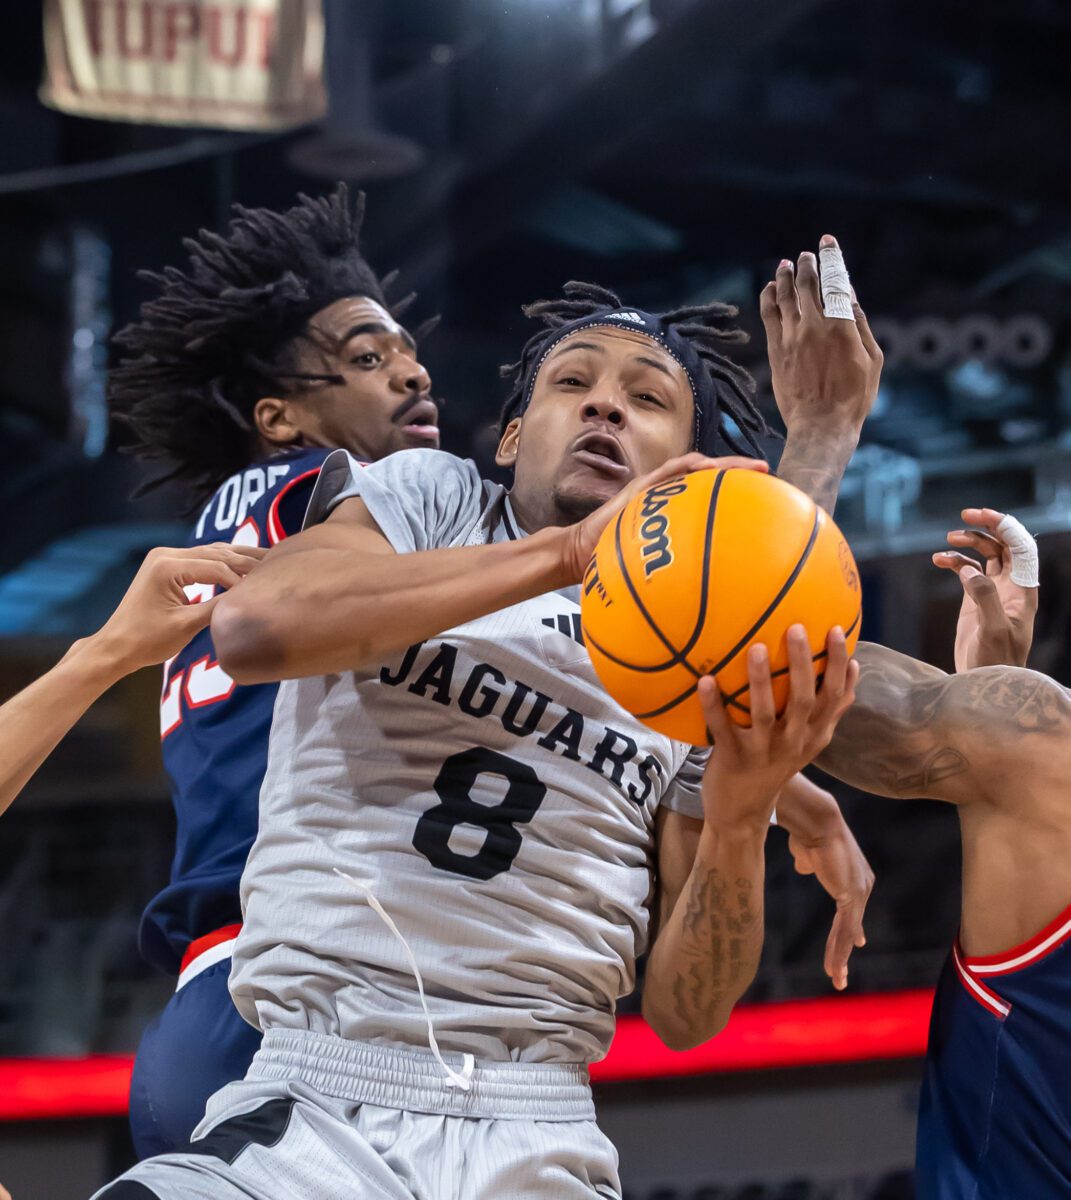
(793, 1033)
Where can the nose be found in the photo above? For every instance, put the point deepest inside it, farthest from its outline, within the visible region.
(410, 376)
(604, 407)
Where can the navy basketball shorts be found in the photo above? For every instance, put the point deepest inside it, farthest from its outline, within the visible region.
(197, 1045)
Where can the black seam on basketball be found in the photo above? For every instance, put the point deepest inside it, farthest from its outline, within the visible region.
(708, 544)
(658, 712)
(731, 697)
(785, 589)
(679, 658)
(675, 659)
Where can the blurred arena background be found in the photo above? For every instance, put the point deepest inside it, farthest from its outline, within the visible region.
(671, 149)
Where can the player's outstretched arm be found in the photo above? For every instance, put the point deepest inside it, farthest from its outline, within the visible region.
(825, 368)
(712, 873)
(338, 597)
(154, 621)
(916, 732)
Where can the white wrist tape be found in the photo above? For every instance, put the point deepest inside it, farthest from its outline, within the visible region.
(836, 286)
(1024, 552)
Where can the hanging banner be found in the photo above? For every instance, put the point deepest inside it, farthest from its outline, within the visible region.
(233, 64)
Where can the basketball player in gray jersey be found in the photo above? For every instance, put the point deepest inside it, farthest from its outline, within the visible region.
(453, 874)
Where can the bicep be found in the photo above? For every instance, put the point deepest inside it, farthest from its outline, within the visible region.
(676, 844)
(915, 732)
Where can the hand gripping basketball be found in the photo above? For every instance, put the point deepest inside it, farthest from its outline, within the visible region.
(697, 570)
(750, 765)
(581, 539)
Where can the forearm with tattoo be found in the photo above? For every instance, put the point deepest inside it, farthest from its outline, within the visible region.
(815, 462)
(914, 731)
(707, 954)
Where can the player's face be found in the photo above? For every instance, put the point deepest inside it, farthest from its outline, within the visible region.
(382, 401)
(608, 405)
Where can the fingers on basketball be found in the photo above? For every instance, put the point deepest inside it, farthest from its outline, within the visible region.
(688, 578)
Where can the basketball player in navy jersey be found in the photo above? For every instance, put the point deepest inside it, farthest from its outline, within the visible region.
(273, 346)
(995, 740)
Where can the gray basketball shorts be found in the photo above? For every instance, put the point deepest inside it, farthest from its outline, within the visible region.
(322, 1118)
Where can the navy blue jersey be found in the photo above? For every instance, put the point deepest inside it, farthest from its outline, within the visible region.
(215, 734)
(995, 1119)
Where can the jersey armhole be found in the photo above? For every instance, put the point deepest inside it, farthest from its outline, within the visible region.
(287, 510)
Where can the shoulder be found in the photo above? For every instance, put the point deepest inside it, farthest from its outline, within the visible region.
(429, 468)
(249, 507)
(430, 487)
(1014, 698)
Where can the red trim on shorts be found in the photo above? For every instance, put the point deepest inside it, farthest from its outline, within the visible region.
(1051, 938)
(977, 990)
(199, 945)
(276, 532)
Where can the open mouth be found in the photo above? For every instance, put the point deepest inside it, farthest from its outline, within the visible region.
(603, 452)
(421, 419)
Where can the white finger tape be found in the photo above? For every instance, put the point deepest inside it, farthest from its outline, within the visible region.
(1024, 551)
(836, 286)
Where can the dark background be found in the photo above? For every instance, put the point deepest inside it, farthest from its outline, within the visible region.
(672, 149)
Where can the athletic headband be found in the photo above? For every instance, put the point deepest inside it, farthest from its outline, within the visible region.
(651, 325)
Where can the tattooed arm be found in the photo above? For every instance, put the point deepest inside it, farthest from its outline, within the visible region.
(916, 732)
(711, 872)
(710, 917)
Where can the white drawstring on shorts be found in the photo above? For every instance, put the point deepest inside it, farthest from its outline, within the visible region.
(453, 1079)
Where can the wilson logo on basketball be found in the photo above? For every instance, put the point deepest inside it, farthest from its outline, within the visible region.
(847, 566)
(655, 546)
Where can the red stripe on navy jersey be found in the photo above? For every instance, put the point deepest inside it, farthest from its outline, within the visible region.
(276, 532)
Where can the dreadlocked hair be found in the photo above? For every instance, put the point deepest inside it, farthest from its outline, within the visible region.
(701, 324)
(220, 334)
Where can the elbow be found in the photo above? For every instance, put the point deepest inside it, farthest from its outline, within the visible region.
(678, 1035)
(248, 643)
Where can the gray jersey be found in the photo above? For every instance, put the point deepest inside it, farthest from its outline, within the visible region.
(497, 802)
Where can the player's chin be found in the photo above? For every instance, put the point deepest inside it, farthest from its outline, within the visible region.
(578, 496)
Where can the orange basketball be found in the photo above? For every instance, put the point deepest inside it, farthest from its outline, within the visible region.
(697, 569)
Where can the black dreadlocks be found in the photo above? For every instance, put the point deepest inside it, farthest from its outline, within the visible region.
(220, 335)
(732, 386)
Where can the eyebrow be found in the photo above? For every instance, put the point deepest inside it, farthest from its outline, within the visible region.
(379, 327)
(640, 358)
(580, 346)
(653, 362)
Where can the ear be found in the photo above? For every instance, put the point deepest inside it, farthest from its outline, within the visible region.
(506, 455)
(274, 420)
